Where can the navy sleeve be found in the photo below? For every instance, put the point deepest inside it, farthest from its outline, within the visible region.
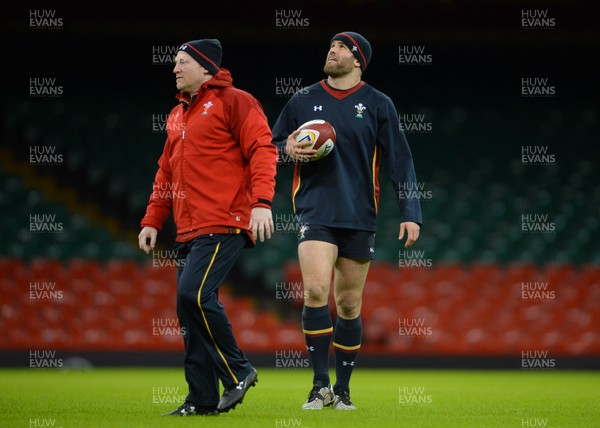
(400, 165)
(287, 122)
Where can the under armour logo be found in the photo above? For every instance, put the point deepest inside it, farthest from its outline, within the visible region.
(240, 385)
(354, 49)
(347, 363)
(320, 108)
(310, 348)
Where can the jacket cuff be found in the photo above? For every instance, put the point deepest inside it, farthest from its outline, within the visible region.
(151, 222)
(265, 203)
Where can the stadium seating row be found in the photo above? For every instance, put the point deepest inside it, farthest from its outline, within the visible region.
(446, 309)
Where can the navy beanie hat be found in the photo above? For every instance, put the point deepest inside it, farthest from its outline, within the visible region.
(207, 52)
(359, 46)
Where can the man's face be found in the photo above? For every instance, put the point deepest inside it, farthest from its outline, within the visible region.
(189, 74)
(340, 61)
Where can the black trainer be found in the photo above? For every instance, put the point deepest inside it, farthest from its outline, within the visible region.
(232, 396)
(190, 409)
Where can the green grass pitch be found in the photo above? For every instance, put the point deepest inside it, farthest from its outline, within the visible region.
(136, 397)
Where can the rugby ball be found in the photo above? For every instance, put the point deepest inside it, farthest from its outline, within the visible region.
(319, 135)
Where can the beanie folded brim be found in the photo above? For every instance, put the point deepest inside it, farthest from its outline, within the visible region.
(207, 52)
(360, 47)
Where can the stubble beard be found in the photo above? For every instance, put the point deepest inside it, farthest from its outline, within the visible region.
(336, 69)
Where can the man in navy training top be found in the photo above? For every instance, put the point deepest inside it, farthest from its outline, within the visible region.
(336, 199)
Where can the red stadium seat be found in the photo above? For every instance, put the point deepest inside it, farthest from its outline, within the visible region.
(470, 310)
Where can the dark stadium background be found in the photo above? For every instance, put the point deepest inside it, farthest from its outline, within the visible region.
(473, 259)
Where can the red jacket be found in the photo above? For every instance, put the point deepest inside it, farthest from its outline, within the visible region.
(217, 164)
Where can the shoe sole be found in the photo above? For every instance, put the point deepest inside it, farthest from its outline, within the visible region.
(241, 399)
(316, 408)
(345, 409)
(211, 413)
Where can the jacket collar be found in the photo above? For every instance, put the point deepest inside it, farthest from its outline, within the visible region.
(220, 80)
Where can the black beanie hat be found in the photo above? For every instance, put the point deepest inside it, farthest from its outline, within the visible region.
(206, 51)
(359, 46)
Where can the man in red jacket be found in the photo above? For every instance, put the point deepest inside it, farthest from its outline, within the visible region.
(217, 176)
